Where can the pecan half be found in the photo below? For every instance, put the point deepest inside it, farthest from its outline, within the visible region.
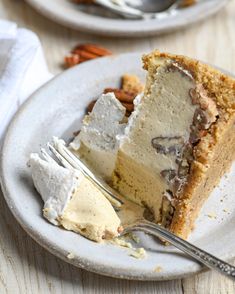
(130, 86)
(186, 3)
(85, 52)
(92, 48)
(129, 107)
(121, 95)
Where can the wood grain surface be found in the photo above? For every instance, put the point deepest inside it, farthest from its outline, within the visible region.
(25, 267)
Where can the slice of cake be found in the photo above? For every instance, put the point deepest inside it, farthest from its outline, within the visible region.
(72, 201)
(97, 141)
(179, 140)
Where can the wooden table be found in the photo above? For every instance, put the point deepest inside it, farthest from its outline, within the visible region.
(25, 267)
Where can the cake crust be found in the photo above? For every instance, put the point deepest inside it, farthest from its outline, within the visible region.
(214, 154)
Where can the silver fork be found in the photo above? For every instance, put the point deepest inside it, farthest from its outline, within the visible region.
(69, 160)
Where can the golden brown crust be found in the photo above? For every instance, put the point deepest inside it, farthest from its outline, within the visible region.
(132, 84)
(215, 151)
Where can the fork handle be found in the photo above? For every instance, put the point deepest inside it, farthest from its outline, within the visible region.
(204, 257)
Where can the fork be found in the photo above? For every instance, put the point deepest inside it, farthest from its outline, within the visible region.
(69, 160)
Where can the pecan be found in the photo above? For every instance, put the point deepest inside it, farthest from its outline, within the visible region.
(121, 95)
(84, 55)
(76, 133)
(130, 83)
(90, 106)
(168, 145)
(129, 106)
(186, 3)
(183, 170)
(71, 60)
(85, 52)
(194, 96)
(168, 174)
(200, 119)
(92, 48)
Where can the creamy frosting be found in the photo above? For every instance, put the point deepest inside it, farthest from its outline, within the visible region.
(55, 184)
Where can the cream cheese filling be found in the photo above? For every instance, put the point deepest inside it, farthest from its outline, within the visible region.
(90, 213)
(72, 201)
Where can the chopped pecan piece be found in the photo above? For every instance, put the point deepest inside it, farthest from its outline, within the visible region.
(168, 174)
(71, 60)
(175, 67)
(168, 145)
(121, 95)
(90, 106)
(129, 106)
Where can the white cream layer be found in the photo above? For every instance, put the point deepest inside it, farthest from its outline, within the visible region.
(97, 141)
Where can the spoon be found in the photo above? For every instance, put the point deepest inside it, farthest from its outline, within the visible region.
(150, 6)
(141, 8)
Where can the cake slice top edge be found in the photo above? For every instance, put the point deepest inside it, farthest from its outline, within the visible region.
(220, 85)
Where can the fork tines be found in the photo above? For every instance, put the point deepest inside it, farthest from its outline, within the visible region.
(67, 159)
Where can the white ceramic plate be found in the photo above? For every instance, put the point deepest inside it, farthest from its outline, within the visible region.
(57, 109)
(99, 21)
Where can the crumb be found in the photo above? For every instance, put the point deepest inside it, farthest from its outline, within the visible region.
(212, 215)
(121, 242)
(70, 256)
(158, 269)
(138, 253)
(132, 84)
(133, 237)
(226, 210)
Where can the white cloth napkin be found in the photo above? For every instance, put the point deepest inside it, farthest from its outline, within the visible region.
(22, 69)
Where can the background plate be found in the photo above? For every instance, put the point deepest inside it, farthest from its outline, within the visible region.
(57, 109)
(99, 21)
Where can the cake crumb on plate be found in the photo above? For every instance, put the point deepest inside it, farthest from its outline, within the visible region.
(158, 269)
(70, 256)
(212, 215)
(138, 253)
